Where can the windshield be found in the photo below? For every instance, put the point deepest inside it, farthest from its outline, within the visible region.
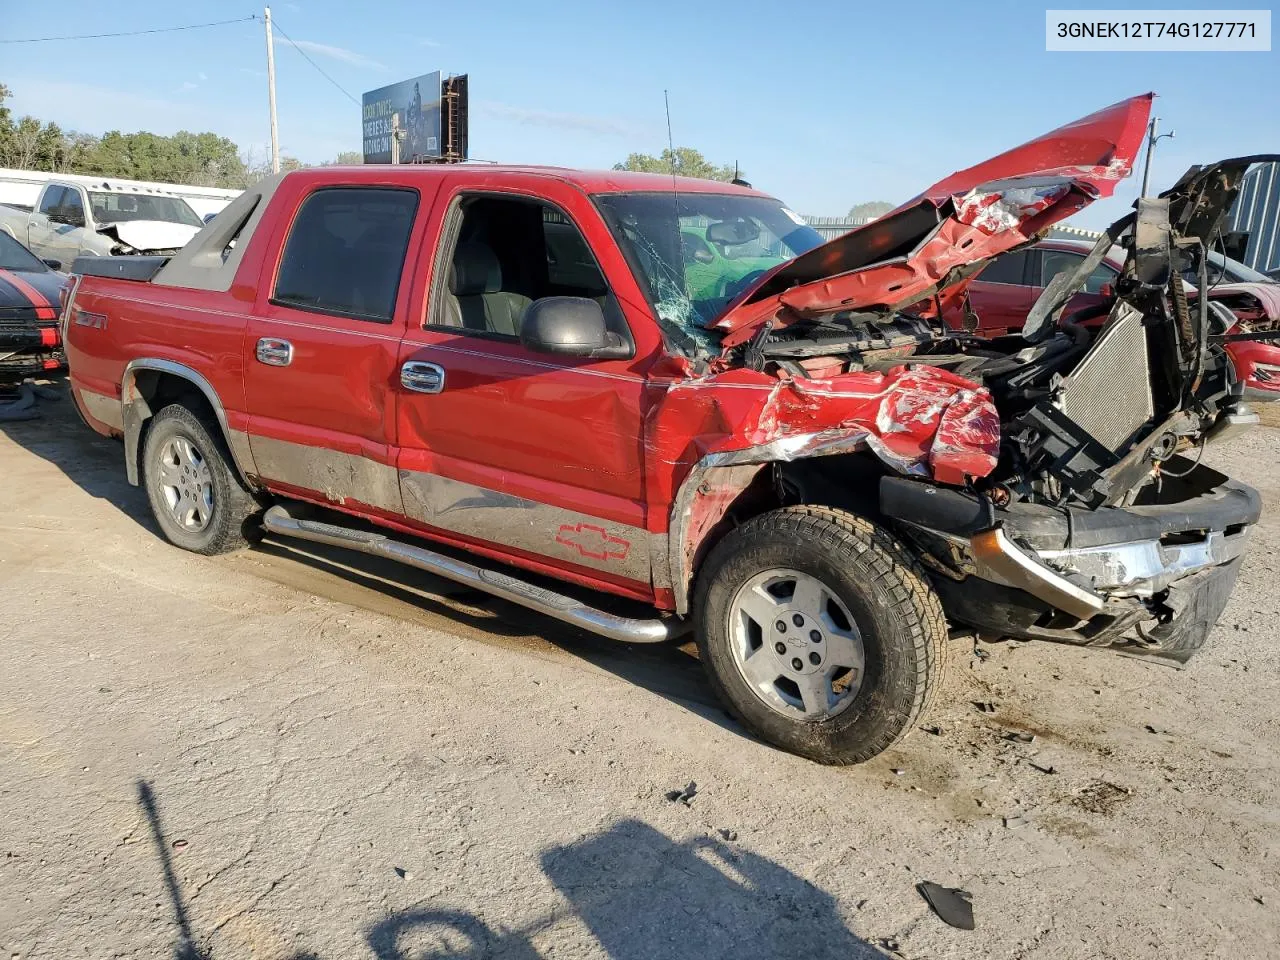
(118, 207)
(14, 256)
(696, 251)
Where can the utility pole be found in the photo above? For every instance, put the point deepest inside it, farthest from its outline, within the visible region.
(1151, 148)
(271, 94)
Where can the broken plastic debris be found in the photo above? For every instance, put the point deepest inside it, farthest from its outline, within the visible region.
(953, 906)
(685, 796)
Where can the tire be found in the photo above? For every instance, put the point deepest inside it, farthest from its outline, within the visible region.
(204, 507)
(871, 592)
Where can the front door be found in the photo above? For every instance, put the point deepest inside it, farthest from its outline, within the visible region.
(321, 350)
(533, 457)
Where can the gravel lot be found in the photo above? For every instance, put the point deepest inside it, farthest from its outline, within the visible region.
(287, 753)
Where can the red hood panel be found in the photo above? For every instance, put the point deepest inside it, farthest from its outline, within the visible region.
(968, 217)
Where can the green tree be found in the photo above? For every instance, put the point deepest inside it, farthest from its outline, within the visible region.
(870, 208)
(346, 158)
(200, 159)
(684, 162)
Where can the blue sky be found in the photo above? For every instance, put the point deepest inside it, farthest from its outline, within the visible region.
(823, 103)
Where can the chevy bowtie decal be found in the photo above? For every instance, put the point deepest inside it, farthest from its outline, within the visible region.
(592, 541)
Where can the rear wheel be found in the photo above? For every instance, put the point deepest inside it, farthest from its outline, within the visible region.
(820, 632)
(195, 493)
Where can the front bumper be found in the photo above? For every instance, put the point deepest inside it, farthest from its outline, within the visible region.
(1152, 577)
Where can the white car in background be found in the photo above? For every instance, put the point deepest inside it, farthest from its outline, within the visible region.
(75, 219)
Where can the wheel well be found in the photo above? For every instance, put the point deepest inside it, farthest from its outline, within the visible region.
(149, 392)
(728, 496)
(160, 389)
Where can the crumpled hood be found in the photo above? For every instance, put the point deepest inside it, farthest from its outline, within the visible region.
(150, 234)
(975, 214)
(1267, 296)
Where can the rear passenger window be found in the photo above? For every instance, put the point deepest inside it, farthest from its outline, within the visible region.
(1006, 269)
(345, 252)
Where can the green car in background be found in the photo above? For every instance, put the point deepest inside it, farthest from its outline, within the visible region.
(713, 269)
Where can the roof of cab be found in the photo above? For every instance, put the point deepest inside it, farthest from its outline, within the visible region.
(589, 181)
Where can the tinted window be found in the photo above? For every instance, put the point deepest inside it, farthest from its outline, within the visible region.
(1053, 262)
(14, 256)
(52, 197)
(1101, 276)
(1009, 268)
(346, 251)
(72, 207)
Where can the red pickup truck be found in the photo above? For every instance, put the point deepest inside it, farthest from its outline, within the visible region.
(501, 375)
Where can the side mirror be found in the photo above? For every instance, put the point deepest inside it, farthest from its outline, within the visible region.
(1107, 290)
(52, 264)
(570, 327)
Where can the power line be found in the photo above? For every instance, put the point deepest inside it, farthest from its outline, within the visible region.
(276, 24)
(135, 33)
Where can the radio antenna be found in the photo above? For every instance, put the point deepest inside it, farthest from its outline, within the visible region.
(675, 192)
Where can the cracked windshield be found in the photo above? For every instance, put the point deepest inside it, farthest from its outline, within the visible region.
(696, 252)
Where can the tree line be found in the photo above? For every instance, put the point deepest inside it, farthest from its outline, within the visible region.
(199, 159)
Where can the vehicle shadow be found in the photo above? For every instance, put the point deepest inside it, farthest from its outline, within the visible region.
(671, 670)
(95, 464)
(639, 894)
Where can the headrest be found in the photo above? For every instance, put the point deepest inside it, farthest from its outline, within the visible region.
(475, 270)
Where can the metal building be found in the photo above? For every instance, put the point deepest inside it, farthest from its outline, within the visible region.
(1257, 212)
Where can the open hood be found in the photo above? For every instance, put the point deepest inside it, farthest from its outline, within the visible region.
(145, 235)
(942, 235)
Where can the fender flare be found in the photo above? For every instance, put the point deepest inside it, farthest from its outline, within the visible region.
(135, 411)
(682, 525)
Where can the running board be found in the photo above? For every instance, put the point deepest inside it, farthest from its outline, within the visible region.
(566, 609)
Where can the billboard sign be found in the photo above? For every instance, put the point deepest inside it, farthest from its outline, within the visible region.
(413, 106)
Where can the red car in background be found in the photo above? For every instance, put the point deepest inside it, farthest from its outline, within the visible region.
(1002, 295)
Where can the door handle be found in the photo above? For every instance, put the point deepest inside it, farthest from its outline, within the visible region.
(275, 353)
(422, 377)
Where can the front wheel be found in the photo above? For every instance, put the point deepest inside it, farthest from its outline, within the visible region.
(820, 632)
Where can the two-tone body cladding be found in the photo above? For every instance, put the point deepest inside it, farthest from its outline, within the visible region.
(672, 391)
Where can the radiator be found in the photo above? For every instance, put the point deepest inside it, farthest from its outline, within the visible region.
(1109, 393)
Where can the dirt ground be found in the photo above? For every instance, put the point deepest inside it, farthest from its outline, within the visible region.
(293, 754)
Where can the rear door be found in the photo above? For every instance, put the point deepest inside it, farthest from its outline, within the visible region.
(534, 457)
(1002, 294)
(321, 349)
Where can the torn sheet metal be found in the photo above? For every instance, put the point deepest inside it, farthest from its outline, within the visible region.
(920, 420)
(922, 247)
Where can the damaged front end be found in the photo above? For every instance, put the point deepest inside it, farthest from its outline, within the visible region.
(1051, 483)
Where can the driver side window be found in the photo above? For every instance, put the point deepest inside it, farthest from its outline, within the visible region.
(72, 208)
(51, 200)
(509, 252)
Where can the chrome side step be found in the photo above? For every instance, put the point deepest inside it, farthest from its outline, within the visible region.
(567, 609)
